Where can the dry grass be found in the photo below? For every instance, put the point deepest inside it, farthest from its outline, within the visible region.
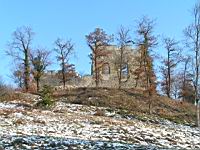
(131, 101)
(99, 112)
(20, 122)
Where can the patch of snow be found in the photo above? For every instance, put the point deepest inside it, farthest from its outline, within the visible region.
(7, 106)
(74, 121)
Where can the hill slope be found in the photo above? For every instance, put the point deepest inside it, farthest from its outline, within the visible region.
(119, 120)
(131, 102)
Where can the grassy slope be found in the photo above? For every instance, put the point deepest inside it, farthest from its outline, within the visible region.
(131, 102)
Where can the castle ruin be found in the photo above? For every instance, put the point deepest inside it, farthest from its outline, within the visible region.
(108, 71)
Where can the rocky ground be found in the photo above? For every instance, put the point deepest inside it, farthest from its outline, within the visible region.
(73, 126)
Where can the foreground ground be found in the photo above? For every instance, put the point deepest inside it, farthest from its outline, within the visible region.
(77, 126)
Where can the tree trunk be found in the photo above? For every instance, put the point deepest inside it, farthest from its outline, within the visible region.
(96, 72)
(63, 77)
(184, 79)
(197, 114)
(169, 75)
(38, 85)
(63, 73)
(27, 71)
(119, 80)
(150, 103)
(196, 82)
(146, 70)
(120, 76)
(92, 67)
(20, 82)
(120, 67)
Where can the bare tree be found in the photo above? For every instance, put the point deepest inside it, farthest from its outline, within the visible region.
(64, 50)
(97, 41)
(121, 57)
(40, 61)
(146, 41)
(187, 92)
(169, 64)
(186, 73)
(18, 75)
(175, 86)
(192, 33)
(4, 89)
(20, 50)
(70, 72)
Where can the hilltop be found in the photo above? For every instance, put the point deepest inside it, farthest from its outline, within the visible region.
(131, 102)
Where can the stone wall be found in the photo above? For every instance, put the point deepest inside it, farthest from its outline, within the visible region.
(108, 72)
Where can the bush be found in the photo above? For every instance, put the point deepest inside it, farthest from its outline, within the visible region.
(46, 96)
(99, 112)
(6, 92)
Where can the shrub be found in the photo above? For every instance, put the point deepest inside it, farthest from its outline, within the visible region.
(6, 92)
(46, 96)
(3, 89)
(99, 112)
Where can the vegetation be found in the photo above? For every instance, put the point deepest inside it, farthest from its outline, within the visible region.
(145, 72)
(20, 48)
(7, 93)
(97, 41)
(179, 69)
(64, 49)
(169, 64)
(46, 97)
(131, 103)
(39, 61)
(192, 33)
(122, 58)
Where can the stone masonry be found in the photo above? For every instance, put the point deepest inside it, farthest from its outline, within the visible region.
(108, 71)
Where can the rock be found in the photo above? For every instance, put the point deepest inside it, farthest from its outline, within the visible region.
(18, 115)
(51, 130)
(53, 144)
